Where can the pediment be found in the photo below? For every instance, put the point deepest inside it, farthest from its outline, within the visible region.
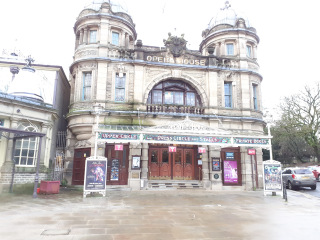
(187, 126)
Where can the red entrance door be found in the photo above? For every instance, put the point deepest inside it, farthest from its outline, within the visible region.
(183, 164)
(118, 162)
(164, 165)
(79, 164)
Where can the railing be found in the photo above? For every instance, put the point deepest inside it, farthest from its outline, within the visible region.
(61, 139)
(155, 108)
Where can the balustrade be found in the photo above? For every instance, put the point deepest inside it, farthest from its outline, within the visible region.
(155, 108)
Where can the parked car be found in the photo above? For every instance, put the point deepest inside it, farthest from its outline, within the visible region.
(316, 171)
(294, 178)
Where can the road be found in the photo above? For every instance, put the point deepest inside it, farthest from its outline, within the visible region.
(315, 193)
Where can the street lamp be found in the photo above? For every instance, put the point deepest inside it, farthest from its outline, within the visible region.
(269, 119)
(97, 109)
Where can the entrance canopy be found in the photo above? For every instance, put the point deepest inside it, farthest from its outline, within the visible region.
(4, 132)
(183, 132)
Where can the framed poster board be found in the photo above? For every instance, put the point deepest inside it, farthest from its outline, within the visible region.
(95, 175)
(135, 162)
(215, 164)
(272, 176)
(230, 171)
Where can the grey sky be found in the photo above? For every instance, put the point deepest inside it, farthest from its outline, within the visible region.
(288, 32)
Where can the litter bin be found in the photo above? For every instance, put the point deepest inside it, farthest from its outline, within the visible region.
(49, 187)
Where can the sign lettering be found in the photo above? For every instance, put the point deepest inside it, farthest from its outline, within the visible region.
(199, 62)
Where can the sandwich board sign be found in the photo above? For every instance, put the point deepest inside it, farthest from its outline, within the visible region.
(272, 177)
(95, 176)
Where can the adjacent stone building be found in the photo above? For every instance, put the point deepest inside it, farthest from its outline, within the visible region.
(166, 116)
(34, 101)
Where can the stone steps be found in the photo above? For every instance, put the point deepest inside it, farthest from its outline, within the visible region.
(174, 184)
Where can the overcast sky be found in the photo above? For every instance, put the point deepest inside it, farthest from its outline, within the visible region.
(288, 30)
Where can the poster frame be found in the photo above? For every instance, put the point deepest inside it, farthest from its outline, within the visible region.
(279, 190)
(216, 160)
(102, 189)
(136, 159)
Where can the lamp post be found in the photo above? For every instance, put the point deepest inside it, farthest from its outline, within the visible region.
(269, 119)
(97, 109)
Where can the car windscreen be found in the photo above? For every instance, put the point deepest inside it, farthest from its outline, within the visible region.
(302, 171)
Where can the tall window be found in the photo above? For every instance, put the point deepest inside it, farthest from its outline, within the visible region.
(174, 92)
(249, 51)
(120, 87)
(93, 36)
(230, 49)
(86, 87)
(255, 96)
(228, 94)
(115, 38)
(26, 149)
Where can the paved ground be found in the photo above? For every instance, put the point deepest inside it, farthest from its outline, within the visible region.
(152, 215)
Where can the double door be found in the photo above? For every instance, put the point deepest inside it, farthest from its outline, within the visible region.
(165, 165)
(118, 162)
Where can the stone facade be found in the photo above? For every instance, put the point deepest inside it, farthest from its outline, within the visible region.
(140, 87)
(20, 111)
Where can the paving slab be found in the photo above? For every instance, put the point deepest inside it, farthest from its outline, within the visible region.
(162, 214)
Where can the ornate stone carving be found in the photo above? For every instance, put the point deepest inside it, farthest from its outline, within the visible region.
(86, 53)
(82, 144)
(175, 44)
(131, 86)
(87, 65)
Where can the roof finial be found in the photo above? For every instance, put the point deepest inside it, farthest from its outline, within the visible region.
(227, 5)
(29, 60)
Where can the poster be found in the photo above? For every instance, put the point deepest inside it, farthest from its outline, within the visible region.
(230, 172)
(272, 177)
(114, 176)
(215, 164)
(135, 162)
(95, 175)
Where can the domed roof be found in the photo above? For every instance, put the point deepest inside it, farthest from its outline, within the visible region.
(27, 84)
(116, 5)
(227, 15)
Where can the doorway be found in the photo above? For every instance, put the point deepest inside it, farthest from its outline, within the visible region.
(118, 163)
(165, 165)
(79, 165)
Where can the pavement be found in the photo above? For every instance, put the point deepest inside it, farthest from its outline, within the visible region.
(159, 214)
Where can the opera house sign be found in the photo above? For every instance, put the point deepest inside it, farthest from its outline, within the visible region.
(176, 47)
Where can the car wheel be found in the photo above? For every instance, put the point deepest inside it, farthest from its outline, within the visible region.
(290, 186)
(314, 187)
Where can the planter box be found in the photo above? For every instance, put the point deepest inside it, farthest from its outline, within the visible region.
(49, 187)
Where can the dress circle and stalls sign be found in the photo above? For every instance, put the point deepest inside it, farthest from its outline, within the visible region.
(95, 175)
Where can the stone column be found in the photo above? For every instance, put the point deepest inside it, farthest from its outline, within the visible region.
(127, 41)
(223, 48)
(77, 42)
(8, 162)
(123, 39)
(144, 163)
(44, 146)
(85, 36)
(205, 169)
(214, 152)
(81, 37)
(109, 35)
(254, 52)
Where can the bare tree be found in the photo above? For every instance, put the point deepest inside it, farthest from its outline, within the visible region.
(301, 112)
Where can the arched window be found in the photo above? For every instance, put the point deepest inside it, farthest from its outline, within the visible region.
(174, 92)
(26, 149)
